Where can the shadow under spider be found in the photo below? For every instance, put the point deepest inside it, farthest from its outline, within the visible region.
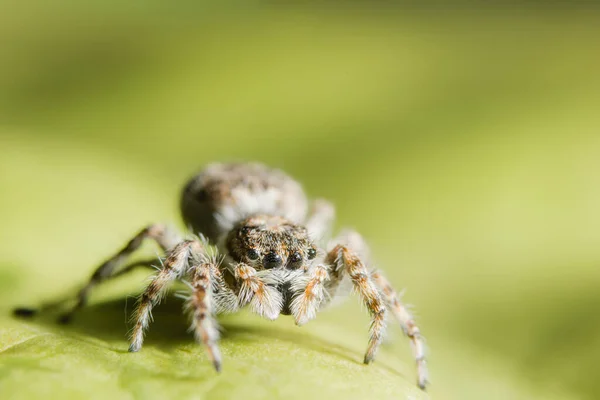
(108, 321)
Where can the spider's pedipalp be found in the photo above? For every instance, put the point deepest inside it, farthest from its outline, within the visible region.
(265, 300)
(311, 295)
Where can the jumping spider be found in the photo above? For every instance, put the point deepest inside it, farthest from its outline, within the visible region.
(257, 219)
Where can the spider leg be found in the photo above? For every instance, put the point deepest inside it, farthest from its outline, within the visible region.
(165, 238)
(355, 241)
(175, 266)
(265, 300)
(346, 261)
(206, 329)
(84, 293)
(320, 220)
(406, 321)
(311, 295)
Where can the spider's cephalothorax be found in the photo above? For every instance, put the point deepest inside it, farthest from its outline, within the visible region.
(274, 258)
(267, 242)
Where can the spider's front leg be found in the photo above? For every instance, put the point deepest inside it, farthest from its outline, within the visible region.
(206, 329)
(264, 299)
(346, 261)
(323, 280)
(354, 241)
(174, 267)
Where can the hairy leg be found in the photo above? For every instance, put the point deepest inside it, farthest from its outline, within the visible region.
(355, 241)
(338, 278)
(406, 321)
(323, 280)
(165, 237)
(174, 267)
(264, 300)
(83, 294)
(345, 261)
(201, 302)
(161, 234)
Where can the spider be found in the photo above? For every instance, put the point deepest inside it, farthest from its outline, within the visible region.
(267, 258)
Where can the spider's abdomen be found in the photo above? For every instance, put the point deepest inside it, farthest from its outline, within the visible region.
(223, 194)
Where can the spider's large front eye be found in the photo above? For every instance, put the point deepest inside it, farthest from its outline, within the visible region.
(272, 260)
(312, 253)
(295, 259)
(252, 254)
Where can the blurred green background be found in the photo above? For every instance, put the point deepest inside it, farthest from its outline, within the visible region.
(463, 142)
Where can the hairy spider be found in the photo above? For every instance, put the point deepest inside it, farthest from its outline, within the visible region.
(269, 259)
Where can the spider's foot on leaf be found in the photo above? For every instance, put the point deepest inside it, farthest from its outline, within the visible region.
(24, 312)
(65, 319)
(133, 348)
(214, 355)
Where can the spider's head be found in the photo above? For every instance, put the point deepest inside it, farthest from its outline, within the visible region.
(267, 242)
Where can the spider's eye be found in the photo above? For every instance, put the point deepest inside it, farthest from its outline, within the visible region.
(312, 253)
(272, 260)
(252, 254)
(295, 258)
(245, 230)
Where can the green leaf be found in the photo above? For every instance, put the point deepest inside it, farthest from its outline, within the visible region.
(464, 146)
(261, 360)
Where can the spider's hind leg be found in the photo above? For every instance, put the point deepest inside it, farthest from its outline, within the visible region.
(161, 234)
(111, 268)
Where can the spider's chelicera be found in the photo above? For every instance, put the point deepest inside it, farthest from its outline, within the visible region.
(272, 255)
